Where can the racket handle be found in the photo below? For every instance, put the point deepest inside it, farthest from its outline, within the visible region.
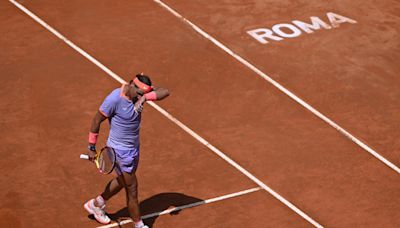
(84, 156)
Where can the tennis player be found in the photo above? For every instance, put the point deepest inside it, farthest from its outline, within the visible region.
(123, 108)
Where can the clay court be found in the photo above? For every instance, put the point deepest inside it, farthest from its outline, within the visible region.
(299, 132)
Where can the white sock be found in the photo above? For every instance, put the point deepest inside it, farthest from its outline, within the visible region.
(139, 224)
(100, 201)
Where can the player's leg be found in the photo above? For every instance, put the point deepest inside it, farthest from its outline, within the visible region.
(112, 188)
(131, 188)
(97, 205)
(128, 161)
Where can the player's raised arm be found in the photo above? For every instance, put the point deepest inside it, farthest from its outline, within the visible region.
(157, 94)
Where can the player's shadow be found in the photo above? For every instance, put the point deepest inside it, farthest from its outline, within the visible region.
(158, 203)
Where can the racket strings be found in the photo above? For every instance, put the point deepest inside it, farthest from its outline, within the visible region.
(102, 163)
(106, 160)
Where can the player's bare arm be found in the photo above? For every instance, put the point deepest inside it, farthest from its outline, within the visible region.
(156, 94)
(161, 93)
(93, 133)
(96, 122)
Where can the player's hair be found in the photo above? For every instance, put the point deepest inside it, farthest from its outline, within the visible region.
(144, 78)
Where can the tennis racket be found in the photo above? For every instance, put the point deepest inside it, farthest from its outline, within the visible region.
(105, 160)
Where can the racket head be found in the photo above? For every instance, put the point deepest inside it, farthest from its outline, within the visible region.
(105, 160)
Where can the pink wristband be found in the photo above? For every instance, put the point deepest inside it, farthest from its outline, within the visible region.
(152, 96)
(93, 137)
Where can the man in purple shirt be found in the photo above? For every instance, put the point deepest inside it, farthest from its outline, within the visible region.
(123, 108)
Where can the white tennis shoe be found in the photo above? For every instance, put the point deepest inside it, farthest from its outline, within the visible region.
(98, 212)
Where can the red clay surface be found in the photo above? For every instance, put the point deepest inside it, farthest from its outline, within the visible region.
(50, 93)
(349, 74)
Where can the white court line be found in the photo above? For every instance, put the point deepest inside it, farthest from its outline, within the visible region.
(170, 210)
(281, 88)
(170, 117)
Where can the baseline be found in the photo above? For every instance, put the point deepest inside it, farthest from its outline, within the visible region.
(173, 209)
(169, 116)
(281, 88)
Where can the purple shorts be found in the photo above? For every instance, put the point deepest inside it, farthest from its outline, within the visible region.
(127, 161)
